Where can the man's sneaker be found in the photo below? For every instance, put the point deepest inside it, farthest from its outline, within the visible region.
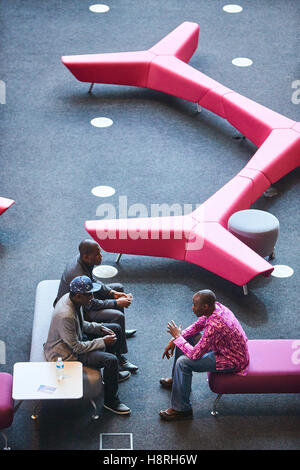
(124, 375)
(126, 365)
(130, 333)
(118, 408)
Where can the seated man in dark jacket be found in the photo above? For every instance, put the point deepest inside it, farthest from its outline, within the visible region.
(66, 340)
(108, 303)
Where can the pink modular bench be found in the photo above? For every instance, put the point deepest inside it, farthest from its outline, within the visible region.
(5, 204)
(6, 403)
(204, 239)
(274, 368)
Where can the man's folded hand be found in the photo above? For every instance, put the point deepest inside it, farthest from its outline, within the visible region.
(109, 339)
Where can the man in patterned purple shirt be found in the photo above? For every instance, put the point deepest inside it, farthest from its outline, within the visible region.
(222, 347)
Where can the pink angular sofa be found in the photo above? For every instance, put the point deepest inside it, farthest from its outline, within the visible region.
(6, 403)
(204, 240)
(274, 367)
(5, 204)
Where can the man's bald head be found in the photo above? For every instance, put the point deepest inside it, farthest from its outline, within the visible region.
(86, 247)
(204, 302)
(206, 296)
(90, 252)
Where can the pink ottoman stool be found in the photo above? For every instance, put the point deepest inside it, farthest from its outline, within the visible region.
(274, 368)
(6, 403)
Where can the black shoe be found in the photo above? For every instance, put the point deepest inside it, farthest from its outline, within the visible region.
(172, 415)
(166, 383)
(118, 408)
(130, 333)
(126, 365)
(124, 375)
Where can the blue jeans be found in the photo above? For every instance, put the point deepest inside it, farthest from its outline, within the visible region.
(182, 376)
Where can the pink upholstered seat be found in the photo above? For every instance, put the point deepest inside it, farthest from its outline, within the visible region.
(278, 155)
(274, 368)
(5, 204)
(132, 68)
(213, 99)
(259, 182)
(164, 67)
(171, 75)
(223, 254)
(181, 42)
(233, 196)
(121, 68)
(296, 127)
(252, 119)
(153, 236)
(6, 401)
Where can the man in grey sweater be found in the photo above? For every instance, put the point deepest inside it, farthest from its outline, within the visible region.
(109, 301)
(65, 340)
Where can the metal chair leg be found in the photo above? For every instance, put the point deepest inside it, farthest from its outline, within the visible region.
(34, 415)
(5, 440)
(271, 192)
(95, 414)
(199, 109)
(214, 411)
(272, 255)
(91, 87)
(118, 257)
(245, 289)
(239, 137)
(17, 405)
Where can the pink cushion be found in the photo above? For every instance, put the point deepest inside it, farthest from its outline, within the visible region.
(6, 401)
(5, 204)
(121, 68)
(156, 236)
(274, 368)
(171, 75)
(181, 42)
(259, 181)
(213, 100)
(220, 252)
(252, 119)
(296, 127)
(278, 155)
(233, 196)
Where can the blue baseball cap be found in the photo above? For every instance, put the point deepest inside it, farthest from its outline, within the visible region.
(83, 285)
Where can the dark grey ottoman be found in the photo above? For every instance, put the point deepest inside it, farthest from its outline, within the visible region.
(257, 229)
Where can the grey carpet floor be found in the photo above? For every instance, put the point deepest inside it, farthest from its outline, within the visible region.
(159, 150)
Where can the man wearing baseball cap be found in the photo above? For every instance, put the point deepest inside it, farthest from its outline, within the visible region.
(66, 340)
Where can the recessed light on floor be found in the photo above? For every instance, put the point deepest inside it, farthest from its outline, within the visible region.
(104, 271)
(232, 8)
(281, 270)
(103, 191)
(101, 122)
(242, 62)
(99, 8)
